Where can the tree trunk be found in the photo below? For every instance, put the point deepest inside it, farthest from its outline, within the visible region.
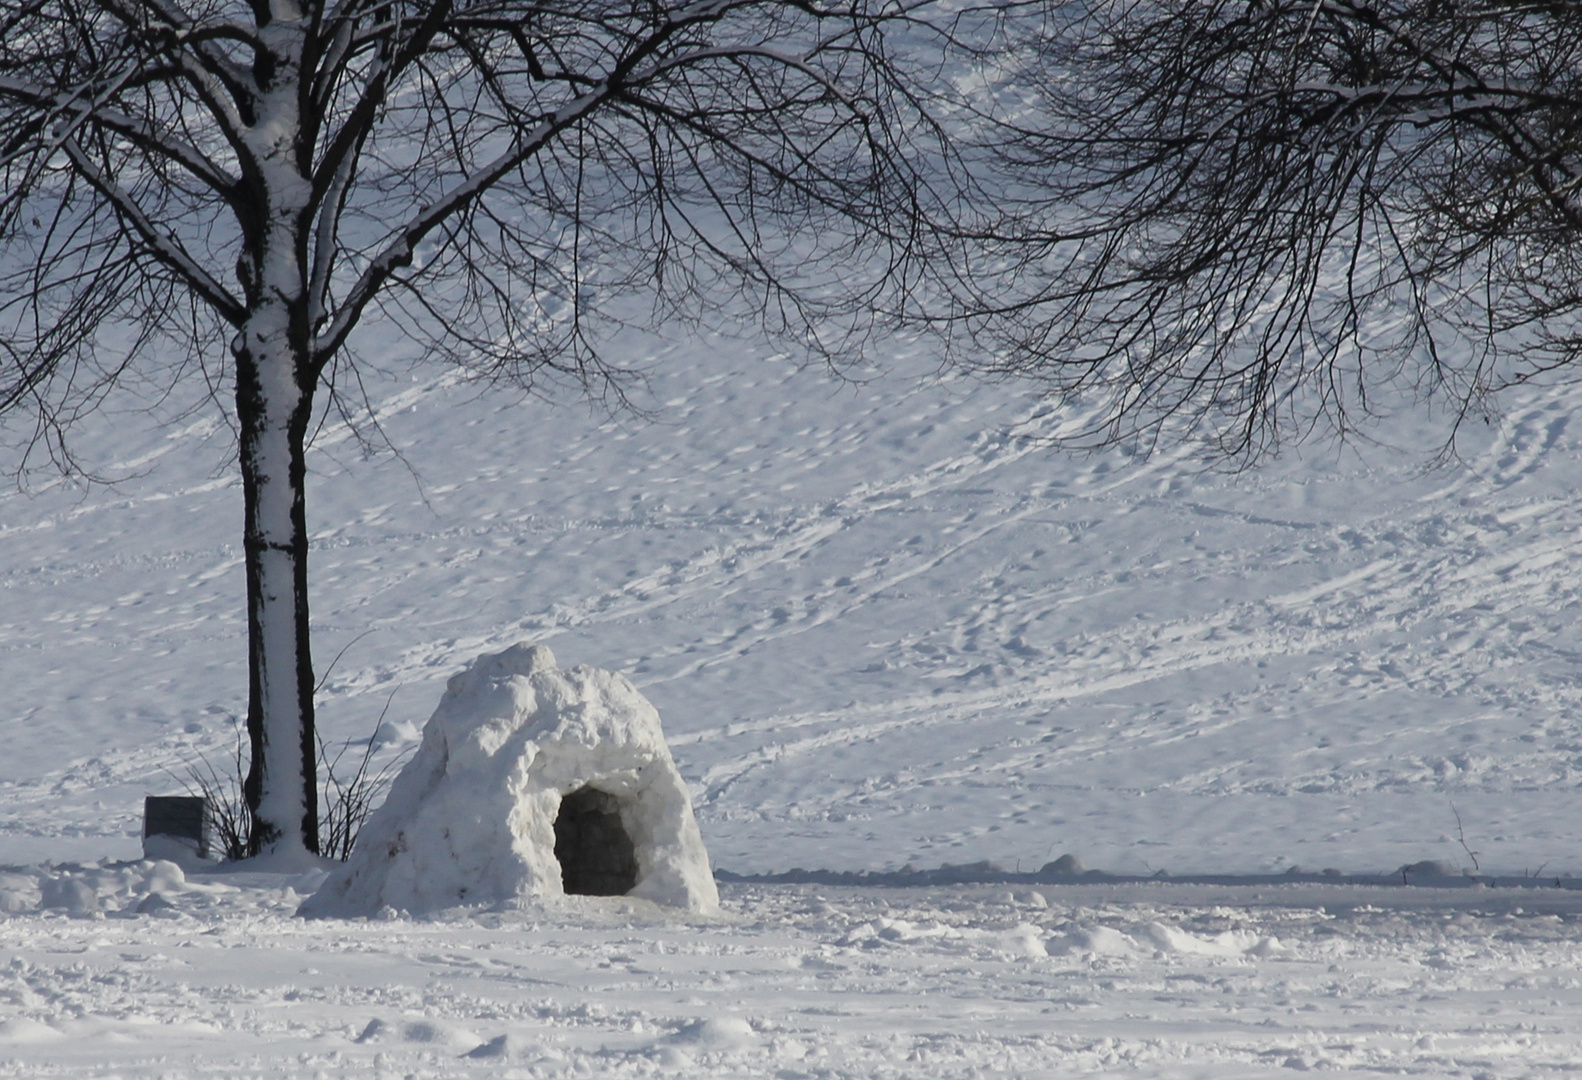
(274, 400)
(275, 380)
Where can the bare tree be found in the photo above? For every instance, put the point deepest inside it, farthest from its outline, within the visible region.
(226, 189)
(1252, 214)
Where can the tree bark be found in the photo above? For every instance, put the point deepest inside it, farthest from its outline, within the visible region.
(274, 400)
(275, 381)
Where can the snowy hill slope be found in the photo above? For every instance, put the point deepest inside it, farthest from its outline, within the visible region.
(882, 623)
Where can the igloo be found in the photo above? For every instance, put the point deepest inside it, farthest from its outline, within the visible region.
(531, 781)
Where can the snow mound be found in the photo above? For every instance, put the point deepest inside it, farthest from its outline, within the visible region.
(1430, 868)
(437, 1033)
(1170, 939)
(531, 780)
(717, 1033)
(97, 890)
(1158, 938)
(70, 894)
(23, 1030)
(1093, 940)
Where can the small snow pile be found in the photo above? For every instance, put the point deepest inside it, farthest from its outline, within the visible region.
(98, 889)
(1429, 868)
(531, 780)
(1158, 938)
(18, 892)
(896, 932)
(70, 894)
(1095, 941)
(1024, 939)
(1228, 943)
(21, 1029)
(717, 1033)
(175, 849)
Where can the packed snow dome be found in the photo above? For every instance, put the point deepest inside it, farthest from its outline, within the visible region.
(531, 781)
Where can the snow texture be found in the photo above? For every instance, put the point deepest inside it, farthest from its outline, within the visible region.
(203, 976)
(471, 819)
(884, 623)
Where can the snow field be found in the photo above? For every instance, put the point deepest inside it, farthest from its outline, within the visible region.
(882, 623)
(219, 980)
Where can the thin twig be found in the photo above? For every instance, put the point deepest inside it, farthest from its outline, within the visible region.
(347, 803)
(326, 676)
(228, 809)
(1462, 837)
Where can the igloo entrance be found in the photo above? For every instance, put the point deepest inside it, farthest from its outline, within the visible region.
(595, 852)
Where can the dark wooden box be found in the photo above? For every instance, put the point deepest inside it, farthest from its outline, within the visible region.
(185, 817)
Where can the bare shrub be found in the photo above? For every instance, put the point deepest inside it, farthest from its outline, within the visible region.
(221, 788)
(347, 799)
(347, 803)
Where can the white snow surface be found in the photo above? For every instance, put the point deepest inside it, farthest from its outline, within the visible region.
(170, 976)
(470, 819)
(884, 625)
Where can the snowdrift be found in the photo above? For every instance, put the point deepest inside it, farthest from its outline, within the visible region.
(531, 781)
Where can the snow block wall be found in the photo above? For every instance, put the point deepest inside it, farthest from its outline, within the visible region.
(530, 781)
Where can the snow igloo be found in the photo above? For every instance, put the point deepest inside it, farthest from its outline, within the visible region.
(531, 781)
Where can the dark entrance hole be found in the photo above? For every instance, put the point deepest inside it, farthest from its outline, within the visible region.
(595, 853)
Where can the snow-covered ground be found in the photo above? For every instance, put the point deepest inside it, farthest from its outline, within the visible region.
(216, 979)
(883, 625)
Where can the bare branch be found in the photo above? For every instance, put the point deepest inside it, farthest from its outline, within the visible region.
(398, 252)
(1235, 220)
(167, 249)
